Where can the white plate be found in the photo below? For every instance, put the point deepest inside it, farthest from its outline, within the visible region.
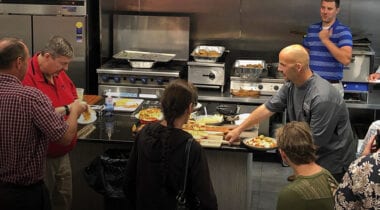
(245, 142)
(91, 120)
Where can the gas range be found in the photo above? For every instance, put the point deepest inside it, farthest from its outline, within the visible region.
(118, 77)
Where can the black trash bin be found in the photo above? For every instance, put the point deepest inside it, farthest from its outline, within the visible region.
(105, 175)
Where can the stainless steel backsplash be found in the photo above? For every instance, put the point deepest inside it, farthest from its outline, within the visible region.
(252, 28)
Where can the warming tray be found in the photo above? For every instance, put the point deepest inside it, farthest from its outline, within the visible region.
(208, 54)
(139, 59)
(144, 56)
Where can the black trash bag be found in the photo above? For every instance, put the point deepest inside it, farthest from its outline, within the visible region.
(105, 174)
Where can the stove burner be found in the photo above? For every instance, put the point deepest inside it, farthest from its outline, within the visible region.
(117, 63)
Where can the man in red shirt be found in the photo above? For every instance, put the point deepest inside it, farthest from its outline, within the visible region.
(46, 71)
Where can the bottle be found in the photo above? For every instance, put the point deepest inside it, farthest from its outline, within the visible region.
(109, 107)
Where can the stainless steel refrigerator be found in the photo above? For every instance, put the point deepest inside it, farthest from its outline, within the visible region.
(35, 24)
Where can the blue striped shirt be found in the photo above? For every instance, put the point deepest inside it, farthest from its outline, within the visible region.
(321, 60)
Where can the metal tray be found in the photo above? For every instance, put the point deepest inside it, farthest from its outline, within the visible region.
(144, 56)
(244, 63)
(244, 71)
(207, 58)
(141, 64)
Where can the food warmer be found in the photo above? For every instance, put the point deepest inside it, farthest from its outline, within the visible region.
(206, 71)
(248, 79)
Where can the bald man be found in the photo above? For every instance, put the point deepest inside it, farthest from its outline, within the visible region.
(307, 97)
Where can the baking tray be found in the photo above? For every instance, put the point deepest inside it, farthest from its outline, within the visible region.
(206, 56)
(144, 56)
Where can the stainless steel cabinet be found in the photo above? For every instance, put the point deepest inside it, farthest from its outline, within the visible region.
(73, 29)
(19, 26)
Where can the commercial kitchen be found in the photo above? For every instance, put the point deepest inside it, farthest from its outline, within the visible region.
(133, 49)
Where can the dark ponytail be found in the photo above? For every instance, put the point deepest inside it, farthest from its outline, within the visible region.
(176, 98)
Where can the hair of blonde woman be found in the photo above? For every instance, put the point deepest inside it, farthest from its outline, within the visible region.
(295, 139)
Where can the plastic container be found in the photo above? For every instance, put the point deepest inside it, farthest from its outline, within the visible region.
(109, 106)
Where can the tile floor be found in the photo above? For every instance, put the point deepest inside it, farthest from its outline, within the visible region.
(269, 177)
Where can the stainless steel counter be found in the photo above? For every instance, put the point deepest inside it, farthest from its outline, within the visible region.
(217, 96)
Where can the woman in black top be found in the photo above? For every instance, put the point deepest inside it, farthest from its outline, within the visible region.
(156, 165)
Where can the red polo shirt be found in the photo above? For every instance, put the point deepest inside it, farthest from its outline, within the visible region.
(61, 93)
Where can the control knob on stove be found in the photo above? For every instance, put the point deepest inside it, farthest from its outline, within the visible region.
(105, 78)
(132, 80)
(144, 80)
(117, 79)
(260, 87)
(276, 87)
(160, 81)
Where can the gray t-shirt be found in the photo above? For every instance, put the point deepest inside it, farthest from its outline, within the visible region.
(318, 103)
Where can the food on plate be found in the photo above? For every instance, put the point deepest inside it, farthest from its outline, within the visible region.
(196, 126)
(245, 93)
(126, 103)
(87, 114)
(150, 114)
(209, 119)
(262, 141)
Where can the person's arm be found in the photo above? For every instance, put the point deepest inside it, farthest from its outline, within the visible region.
(76, 110)
(256, 116)
(374, 76)
(369, 147)
(341, 54)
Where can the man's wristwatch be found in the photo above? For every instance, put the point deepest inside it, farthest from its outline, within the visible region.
(67, 109)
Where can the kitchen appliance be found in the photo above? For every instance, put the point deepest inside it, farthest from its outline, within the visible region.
(139, 59)
(264, 86)
(205, 71)
(148, 53)
(35, 23)
(118, 77)
(207, 74)
(355, 75)
(249, 76)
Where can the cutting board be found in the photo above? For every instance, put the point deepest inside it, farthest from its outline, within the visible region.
(92, 99)
(127, 104)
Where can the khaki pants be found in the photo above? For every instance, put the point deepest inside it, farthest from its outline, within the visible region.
(58, 180)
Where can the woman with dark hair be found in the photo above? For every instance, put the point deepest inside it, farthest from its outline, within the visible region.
(156, 167)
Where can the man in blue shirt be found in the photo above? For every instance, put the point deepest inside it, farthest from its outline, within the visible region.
(329, 43)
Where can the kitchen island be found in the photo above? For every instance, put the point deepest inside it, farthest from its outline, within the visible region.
(230, 165)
